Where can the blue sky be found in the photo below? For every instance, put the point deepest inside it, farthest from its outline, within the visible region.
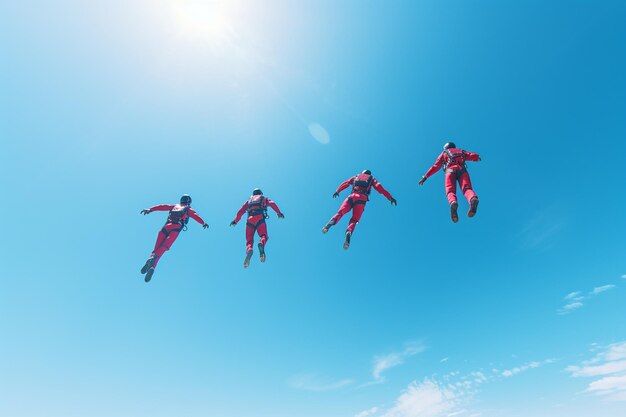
(110, 107)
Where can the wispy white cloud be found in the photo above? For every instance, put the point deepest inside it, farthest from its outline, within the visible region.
(366, 413)
(530, 365)
(312, 382)
(385, 362)
(610, 365)
(426, 399)
(624, 276)
(568, 308)
(602, 289)
(575, 300)
(597, 370)
(449, 395)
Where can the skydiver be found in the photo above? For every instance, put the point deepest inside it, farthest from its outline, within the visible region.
(177, 219)
(256, 206)
(452, 160)
(361, 186)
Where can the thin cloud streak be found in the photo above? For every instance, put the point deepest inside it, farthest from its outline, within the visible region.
(385, 362)
(530, 365)
(576, 300)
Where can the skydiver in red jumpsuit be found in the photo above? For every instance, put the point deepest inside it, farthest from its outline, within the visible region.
(452, 159)
(361, 186)
(256, 206)
(177, 219)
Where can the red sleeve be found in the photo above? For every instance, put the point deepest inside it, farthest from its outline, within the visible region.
(471, 156)
(162, 207)
(241, 211)
(379, 187)
(436, 167)
(273, 206)
(192, 213)
(345, 184)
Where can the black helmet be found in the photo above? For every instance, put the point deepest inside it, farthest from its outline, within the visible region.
(185, 199)
(449, 145)
(366, 171)
(257, 191)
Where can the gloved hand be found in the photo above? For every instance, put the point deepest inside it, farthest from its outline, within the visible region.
(281, 216)
(336, 194)
(145, 211)
(205, 225)
(233, 223)
(422, 181)
(393, 201)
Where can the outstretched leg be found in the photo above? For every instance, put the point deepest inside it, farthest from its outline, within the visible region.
(250, 228)
(450, 184)
(166, 237)
(262, 231)
(466, 187)
(165, 246)
(159, 241)
(468, 192)
(357, 212)
(345, 207)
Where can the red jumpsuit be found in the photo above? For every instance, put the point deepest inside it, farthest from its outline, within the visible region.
(356, 201)
(168, 234)
(455, 171)
(256, 220)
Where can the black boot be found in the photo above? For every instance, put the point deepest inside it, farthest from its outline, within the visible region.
(262, 252)
(330, 224)
(149, 274)
(246, 262)
(453, 212)
(346, 244)
(148, 264)
(473, 207)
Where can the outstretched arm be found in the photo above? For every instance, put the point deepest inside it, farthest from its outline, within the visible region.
(379, 187)
(433, 169)
(192, 213)
(471, 156)
(160, 207)
(343, 186)
(275, 208)
(240, 213)
(436, 166)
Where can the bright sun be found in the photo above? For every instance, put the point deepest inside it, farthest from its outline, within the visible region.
(209, 21)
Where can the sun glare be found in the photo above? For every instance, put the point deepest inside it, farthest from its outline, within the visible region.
(208, 21)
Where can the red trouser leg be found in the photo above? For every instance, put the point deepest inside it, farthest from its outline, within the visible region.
(450, 183)
(346, 206)
(167, 236)
(357, 212)
(254, 223)
(262, 231)
(160, 238)
(249, 237)
(466, 186)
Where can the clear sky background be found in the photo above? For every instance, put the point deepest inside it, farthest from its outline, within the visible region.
(109, 107)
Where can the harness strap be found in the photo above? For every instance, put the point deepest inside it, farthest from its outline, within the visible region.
(457, 172)
(167, 232)
(256, 226)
